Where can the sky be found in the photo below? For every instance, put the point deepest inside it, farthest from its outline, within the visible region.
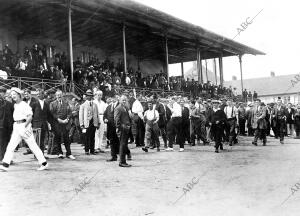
(274, 31)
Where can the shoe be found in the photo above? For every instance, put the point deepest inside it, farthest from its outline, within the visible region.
(124, 165)
(43, 167)
(145, 149)
(93, 153)
(217, 151)
(158, 149)
(193, 144)
(60, 156)
(181, 149)
(152, 147)
(71, 157)
(129, 157)
(169, 149)
(281, 142)
(111, 160)
(87, 153)
(264, 144)
(100, 151)
(3, 169)
(254, 143)
(27, 153)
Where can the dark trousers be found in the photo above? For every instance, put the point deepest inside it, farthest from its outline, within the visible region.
(280, 127)
(3, 142)
(174, 130)
(113, 139)
(217, 131)
(89, 144)
(260, 134)
(61, 135)
(124, 150)
(163, 133)
(42, 139)
(242, 126)
(230, 132)
(198, 128)
(140, 132)
(185, 128)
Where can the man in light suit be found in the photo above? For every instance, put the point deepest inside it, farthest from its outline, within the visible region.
(258, 122)
(123, 127)
(89, 122)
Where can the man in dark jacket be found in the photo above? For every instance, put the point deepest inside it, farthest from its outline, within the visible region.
(163, 111)
(40, 117)
(123, 127)
(217, 123)
(6, 122)
(108, 118)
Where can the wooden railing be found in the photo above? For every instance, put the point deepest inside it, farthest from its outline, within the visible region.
(47, 85)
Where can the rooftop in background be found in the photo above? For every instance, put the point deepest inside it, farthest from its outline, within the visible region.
(98, 23)
(267, 86)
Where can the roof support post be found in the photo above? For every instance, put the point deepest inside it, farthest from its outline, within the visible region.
(70, 44)
(167, 57)
(241, 70)
(182, 70)
(199, 66)
(124, 48)
(206, 70)
(215, 70)
(221, 69)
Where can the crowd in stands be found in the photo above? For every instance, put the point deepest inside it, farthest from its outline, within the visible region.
(107, 75)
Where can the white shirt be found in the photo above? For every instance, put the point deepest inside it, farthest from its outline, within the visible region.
(42, 103)
(152, 115)
(101, 106)
(137, 108)
(230, 111)
(23, 65)
(176, 110)
(22, 111)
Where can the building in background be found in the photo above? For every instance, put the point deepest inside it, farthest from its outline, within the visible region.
(270, 88)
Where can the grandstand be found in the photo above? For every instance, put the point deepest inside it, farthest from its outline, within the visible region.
(118, 44)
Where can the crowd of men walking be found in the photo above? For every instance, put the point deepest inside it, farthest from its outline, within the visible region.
(136, 118)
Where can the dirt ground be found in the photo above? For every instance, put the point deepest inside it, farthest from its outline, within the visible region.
(242, 180)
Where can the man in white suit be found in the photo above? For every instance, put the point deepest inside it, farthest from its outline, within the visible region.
(89, 122)
(101, 105)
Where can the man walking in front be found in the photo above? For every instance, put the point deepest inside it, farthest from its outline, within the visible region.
(123, 127)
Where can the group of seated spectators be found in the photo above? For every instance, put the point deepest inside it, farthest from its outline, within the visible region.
(34, 63)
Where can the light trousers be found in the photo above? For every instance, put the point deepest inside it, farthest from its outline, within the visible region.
(21, 133)
(99, 134)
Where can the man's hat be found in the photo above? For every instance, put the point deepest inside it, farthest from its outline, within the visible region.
(89, 93)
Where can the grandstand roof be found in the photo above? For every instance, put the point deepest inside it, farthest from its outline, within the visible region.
(98, 23)
(268, 86)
